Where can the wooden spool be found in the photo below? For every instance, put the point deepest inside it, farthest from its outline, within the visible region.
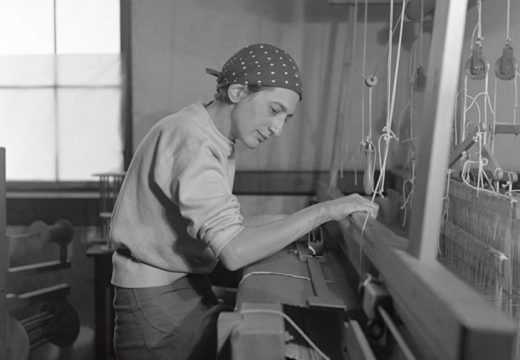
(18, 341)
(60, 232)
(57, 322)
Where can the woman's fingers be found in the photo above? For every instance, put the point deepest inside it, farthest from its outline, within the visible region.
(365, 205)
(345, 206)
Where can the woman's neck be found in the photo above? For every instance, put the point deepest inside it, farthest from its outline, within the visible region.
(220, 113)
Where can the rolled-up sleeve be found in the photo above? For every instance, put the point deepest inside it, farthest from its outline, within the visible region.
(200, 188)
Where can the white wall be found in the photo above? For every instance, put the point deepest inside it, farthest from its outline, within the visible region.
(173, 41)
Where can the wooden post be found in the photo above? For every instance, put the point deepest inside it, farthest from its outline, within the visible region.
(4, 264)
(437, 115)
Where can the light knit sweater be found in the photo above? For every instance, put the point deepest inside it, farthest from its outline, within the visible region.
(175, 210)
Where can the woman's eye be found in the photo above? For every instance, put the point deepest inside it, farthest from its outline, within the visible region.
(274, 111)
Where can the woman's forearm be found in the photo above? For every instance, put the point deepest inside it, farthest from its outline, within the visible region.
(259, 241)
(263, 219)
(256, 242)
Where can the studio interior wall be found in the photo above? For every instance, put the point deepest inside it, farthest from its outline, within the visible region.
(174, 41)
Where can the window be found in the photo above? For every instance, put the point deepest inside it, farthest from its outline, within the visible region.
(60, 89)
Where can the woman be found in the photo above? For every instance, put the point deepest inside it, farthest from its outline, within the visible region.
(176, 215)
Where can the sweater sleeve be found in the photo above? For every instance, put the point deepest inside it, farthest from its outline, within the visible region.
(200, 188)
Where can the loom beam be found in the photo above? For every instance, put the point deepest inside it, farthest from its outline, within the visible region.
(507, 129)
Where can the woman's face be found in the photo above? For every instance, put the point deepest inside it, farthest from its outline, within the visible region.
(260, 115)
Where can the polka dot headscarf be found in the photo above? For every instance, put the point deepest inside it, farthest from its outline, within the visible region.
(261, 64)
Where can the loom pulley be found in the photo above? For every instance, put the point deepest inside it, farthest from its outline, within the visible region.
(476, 65)
(506, 65)
(371, 80)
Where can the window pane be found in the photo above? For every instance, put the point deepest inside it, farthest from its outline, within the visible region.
(60, 114)
(27, 70)
(27, 132)
(92, 70)
(89, 133)
(26, 27)
(87, 27)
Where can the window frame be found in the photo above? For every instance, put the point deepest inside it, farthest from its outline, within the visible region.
(77, 201)
(38, 188)
(24, 188)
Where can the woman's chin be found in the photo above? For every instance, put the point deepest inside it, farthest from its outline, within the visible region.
(252, 143)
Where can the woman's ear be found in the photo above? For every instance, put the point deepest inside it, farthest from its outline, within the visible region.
(236, 92)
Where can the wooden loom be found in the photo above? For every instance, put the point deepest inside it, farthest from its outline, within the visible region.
(33, 318)
(412, 307)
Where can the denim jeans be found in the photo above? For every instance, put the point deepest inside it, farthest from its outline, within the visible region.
(175, 321)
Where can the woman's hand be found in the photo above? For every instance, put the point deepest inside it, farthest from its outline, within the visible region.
(340, 208)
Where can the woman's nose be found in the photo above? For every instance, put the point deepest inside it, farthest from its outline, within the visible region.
(277, 126)
(274, 130)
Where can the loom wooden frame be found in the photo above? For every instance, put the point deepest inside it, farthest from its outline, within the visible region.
(460, 324)
(4, 261)
(440, 92)
(447, 318)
